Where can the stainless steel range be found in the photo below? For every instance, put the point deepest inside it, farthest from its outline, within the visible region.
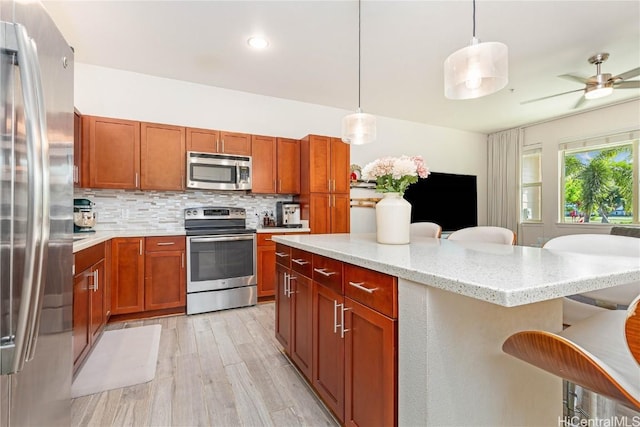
(221, 259)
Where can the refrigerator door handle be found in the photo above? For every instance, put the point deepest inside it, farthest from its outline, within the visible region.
(28, 321)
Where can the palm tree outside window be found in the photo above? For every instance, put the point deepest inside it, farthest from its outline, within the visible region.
(600, 180)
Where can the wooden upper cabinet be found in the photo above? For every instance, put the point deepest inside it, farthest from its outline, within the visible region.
(265, 163)
(214, 141)
(162, 157)
(288, 169)
(340, 166)
(203, 140)
(114, 152)
(319, 163)
(235, 143)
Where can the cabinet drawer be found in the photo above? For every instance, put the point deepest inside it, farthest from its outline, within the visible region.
(283, 255)
(301, 262)
(264, 239)
(328, 272)
(88, 257)
(166, 243)
(371, 288)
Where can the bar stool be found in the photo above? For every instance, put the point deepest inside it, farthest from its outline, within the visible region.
(425, 229)
(578, 307)
(601, 353)
(487, 234)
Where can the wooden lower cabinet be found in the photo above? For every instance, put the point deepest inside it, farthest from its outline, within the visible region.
(127, 274)
(342, 324)
(266, 250)
(283, 307)
(328, 348)
(370, 368)
(165, 281)
(301, 343)
(89, 300)
(148, 274)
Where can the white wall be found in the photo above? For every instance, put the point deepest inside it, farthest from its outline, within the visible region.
(548, 135)
(115, 93)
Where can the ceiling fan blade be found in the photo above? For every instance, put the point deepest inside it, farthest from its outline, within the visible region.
(627, 85)
(580, 102)
(628, 75)
(574, 78)
(550, 96)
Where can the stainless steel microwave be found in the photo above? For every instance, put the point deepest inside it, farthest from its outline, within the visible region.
(207, 171)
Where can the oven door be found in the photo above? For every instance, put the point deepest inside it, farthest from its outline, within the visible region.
(220, 262)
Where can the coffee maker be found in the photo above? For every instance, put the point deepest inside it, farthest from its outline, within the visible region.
(288, 215)
(84, 218)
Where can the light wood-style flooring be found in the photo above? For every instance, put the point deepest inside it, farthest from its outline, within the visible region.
(215, 369)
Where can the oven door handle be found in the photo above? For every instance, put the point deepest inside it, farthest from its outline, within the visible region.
(222, 238)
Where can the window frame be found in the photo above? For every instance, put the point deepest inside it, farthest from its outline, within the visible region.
(632, 138)
(533, 184)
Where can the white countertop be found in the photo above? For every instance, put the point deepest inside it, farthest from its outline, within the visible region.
(92, 239)
(500, 274)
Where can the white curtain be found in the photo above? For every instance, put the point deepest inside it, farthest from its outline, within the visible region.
(503, 180)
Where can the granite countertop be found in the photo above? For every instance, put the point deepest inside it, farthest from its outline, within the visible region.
(504, 275)
(90, 239)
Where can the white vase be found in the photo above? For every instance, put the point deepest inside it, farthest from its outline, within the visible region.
(393, 219)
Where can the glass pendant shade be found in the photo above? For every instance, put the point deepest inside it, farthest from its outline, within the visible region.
(359, 128)
(476, 70)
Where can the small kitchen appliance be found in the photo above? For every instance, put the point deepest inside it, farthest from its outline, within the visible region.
(84, 218)
(288, 215)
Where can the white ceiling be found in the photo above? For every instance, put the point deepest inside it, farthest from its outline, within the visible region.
(313, 52)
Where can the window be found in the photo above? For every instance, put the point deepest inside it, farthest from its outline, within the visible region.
(599, 180)
(531, 186)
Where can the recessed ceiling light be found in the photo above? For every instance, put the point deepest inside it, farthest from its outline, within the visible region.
(258, 42)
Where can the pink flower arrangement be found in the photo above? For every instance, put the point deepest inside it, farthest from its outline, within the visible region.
(395, 174)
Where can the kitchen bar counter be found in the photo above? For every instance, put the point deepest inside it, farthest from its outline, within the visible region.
(86, 240)
(500, 274)
(457, 303)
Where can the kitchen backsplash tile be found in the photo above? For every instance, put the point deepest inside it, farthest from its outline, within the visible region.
(128, 210)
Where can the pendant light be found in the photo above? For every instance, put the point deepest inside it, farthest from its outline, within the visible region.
(476, 70)
(359, 128)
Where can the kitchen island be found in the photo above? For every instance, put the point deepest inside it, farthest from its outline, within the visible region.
(457, 303)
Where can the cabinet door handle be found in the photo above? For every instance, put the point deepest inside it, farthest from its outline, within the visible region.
(342, 329)
(279, 185)
(286, 285)
(75, 174)
(166, 243)
(140, 246)
(217, 145)
(268, 240)
(300, 261)
(363, 288)
(334, 184)
(281, 254)
(136, 180)
(324, 272)
(92, 282)
(335, 316)
(329, 185)
(96, 283)
(182, 259)
(290, 291)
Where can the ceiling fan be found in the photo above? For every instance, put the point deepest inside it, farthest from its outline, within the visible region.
(600, 85)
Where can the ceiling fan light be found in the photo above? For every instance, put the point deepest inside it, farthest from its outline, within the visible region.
(359, 128)
(476, 70)
(598, 92)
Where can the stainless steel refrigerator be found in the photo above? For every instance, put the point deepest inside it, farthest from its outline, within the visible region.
(36, 192)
